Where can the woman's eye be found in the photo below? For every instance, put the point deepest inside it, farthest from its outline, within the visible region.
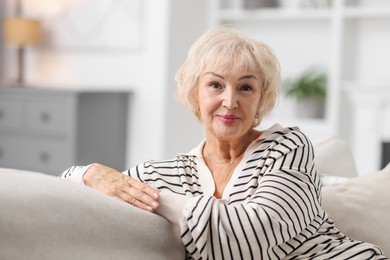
(246, 88)
(215, 85)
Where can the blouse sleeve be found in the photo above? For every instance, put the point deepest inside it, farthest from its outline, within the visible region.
(75, 173)
(282, 211)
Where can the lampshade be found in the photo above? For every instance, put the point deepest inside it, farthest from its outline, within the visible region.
(21, 31)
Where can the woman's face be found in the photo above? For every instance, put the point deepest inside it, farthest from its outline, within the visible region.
(228, 102)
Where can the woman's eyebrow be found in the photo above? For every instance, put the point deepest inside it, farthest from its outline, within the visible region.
(248, 77)
(241, 78)
(214, 74)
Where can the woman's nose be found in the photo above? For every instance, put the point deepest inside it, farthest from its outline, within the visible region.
(229, 98)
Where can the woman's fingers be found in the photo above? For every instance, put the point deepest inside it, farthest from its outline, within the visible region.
(139, 201)
(131, 191)
(139, 194)
(125, 188)
(145, 188)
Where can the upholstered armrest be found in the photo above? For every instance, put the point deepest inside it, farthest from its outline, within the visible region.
(44, 217)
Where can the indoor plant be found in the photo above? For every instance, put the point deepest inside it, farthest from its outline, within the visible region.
(309, 90)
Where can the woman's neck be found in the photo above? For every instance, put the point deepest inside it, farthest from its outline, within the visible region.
(228, 151)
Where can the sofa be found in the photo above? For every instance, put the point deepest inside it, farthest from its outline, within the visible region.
(44, 217)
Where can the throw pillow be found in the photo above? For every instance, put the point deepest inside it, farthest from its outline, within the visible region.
(334, 158)
(360, 208)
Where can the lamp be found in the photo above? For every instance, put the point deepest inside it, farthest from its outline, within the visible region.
(21, 32)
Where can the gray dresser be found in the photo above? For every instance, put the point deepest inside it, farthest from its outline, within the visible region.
(51, 130)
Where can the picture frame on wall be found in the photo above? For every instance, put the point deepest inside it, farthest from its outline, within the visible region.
(89, 24)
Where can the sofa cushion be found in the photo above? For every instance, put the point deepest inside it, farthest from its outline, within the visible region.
(334, 158)
(44, 217)
(360, 208)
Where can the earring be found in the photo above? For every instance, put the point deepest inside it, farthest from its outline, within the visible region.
(256, 121)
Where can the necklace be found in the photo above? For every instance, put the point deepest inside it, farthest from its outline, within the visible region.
(212, 157)
(231, 161)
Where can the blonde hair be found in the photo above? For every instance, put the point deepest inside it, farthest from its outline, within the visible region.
(228, 49)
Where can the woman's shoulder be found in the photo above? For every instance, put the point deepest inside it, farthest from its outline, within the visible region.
(279, 133)
(281, 136)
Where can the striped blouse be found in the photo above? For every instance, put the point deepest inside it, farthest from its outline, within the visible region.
(270, 209)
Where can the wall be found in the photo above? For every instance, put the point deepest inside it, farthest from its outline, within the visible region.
(2, 49)
(188, 20)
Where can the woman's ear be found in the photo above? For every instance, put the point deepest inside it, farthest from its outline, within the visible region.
(259, 106)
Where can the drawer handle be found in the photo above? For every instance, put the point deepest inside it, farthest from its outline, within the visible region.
(44, 157)
(1, 114)
(1, 153)
(45, 117)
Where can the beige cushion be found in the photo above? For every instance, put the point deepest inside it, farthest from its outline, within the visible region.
(334, 158)
(360, 208)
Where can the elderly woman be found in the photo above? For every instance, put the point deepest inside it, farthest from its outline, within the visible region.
(241, 193)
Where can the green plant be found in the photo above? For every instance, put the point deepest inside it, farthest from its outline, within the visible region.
(310, 84)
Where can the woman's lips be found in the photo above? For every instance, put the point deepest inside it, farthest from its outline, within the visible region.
(228, 119)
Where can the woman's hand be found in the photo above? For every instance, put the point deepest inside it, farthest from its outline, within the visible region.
(125, 188)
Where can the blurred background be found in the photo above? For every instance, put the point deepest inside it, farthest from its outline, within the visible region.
(98, 76)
